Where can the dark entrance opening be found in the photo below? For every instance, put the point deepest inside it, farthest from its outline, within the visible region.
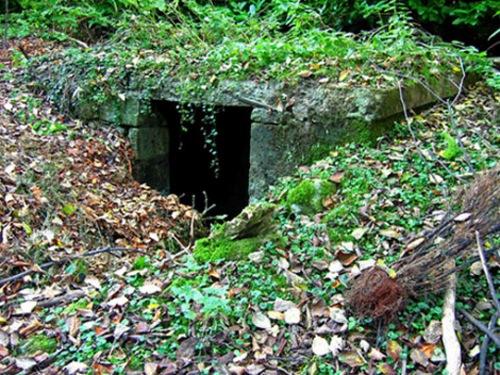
(217, 169)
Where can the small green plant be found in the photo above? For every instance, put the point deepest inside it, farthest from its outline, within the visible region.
(142, 262)
(453, 149)
(212, 301)
(78, 269)
(47, 127)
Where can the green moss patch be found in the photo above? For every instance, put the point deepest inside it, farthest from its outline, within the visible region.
(308, 195)
(213, 249)
(40, 343)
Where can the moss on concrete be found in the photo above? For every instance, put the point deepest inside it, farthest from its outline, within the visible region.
(308, 195)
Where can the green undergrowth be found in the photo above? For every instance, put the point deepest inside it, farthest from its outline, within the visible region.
(213, 44)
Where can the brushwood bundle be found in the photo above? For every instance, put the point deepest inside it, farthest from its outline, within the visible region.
(380, 295)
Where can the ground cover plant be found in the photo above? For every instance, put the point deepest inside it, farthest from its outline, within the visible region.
(100, 274)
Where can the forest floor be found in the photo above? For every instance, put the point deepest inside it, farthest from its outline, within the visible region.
(146, 305)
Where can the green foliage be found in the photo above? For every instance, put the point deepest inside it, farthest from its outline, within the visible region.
(453, 149)
(85, 19)
(460, 12)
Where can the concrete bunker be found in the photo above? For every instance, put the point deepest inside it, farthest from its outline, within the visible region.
(208, 159)
(263, 132)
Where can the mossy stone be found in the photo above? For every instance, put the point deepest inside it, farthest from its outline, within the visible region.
(309, 194)
(213, 249)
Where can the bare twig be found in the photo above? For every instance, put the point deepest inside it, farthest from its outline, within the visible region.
(461, 84)
(79, 42)
(484, 346)
(46, 265)
(414, 137)
(450, 340)
(65, 298)
(255, 103)
(489, 280)
(6, 24)
(482, 327)
(43, 364)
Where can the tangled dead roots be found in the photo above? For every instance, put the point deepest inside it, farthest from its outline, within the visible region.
(374, 294)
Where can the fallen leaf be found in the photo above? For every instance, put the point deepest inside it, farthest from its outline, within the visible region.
(345, 258)
(435, 179)
(149, 288)
(344, 74)
(415, 243)
(276, 315)
(358, 233)
(393, 350)
(433, 332)
(118, 301)
(25, 363)
(305, 73)
(338, 315)
(462, 217)
(27, 307)
(352, 359)
(391, 233)
(76, 368)
(376, 355)
(337, 177)
(335, 266)
(73, 324)
(292, 316)
(336, 345)
(320, 346)
(261, 321)
(119, 330)
(428, 349)
(282, 305)
(151, 368)
(418, 357)
(386, 369)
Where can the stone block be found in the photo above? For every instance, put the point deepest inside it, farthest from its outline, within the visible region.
(129, 112)
(154, 172)
(149, 143)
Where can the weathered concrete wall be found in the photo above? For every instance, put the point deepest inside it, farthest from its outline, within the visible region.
(287, 124)
(323, 116)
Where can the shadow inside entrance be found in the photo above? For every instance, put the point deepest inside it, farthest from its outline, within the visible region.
(209, 165)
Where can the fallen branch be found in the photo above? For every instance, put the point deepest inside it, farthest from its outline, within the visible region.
(487, 274)
(43, 364)
(65, 298)
(484, 346)
(482, 327)
(79, 42)
(46, 265)
(450, 340)
(255, 103)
